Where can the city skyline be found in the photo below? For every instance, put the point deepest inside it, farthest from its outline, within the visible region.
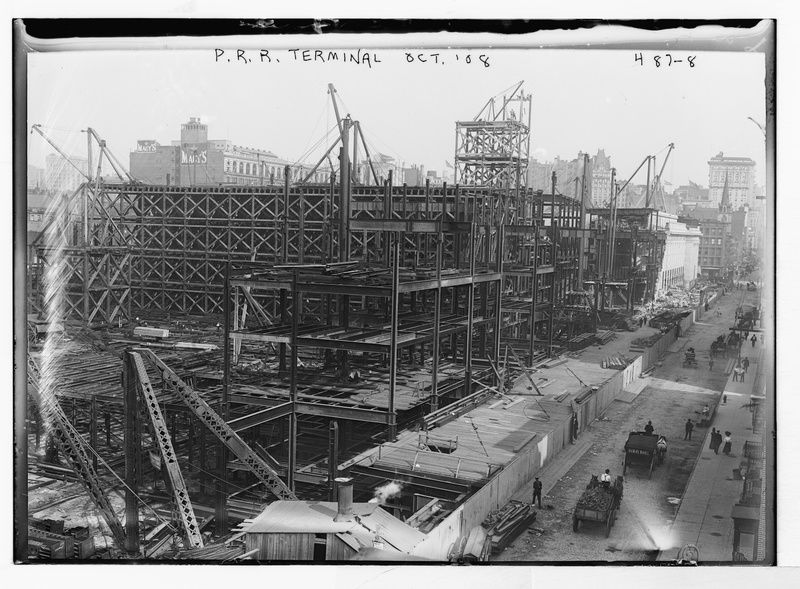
(582, 101)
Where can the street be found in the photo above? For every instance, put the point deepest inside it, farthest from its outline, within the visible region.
(672, 395)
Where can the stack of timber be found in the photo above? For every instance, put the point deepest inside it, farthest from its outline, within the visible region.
(506, 523)
(614, 362)
(581, 341)
(219, 552)
(603, 337)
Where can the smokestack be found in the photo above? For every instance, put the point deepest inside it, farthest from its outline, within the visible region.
(344, 486)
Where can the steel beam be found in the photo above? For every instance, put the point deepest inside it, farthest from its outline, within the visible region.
(251, 420)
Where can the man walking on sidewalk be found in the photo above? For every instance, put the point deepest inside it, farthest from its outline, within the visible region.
(745, 364)
(688, 429)
(716, 440)
(537, 492)
(754, 339)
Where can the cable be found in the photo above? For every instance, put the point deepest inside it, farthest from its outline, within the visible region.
(316, 125)
(305, 155)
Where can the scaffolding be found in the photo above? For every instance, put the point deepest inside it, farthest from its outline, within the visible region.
(493, 148)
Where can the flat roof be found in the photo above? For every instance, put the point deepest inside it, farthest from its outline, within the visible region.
(317, 517)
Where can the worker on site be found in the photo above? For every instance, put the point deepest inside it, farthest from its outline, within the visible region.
(706, 411)
(648, 429)
(605, 478)
(688, 430)
(537, 492)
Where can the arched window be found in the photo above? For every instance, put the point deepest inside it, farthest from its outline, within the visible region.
(241, 167)
(247, 168)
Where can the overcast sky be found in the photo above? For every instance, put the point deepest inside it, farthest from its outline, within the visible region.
(582, 100)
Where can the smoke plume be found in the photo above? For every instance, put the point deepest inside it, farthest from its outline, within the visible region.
(386, 492)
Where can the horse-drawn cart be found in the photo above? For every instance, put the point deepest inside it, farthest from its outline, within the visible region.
(598, 503)
(644, 449)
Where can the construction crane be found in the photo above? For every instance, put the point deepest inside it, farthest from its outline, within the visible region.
(658, 189)
(344, 125)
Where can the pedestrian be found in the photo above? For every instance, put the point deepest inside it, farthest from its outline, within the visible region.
(537, 492)
(746, 334)
(716, 440)
(738, 373)
(745, 364)
(648, 429)
(688, 430)
(713, 438)
(710, 363)
(754, 339)
(726, 449)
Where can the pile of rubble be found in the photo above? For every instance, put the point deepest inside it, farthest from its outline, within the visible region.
(674, 298)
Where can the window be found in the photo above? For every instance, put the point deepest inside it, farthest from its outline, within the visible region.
(241, 167)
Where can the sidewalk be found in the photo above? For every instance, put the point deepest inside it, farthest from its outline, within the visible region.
(704, 516)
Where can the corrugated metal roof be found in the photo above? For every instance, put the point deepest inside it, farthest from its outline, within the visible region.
(316, 517)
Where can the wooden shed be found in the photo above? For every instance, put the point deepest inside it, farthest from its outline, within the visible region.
(309, 531)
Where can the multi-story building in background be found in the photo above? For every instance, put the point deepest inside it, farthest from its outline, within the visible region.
(196, 160)
(36, 178)
(691, 195)
(60, 176)
(540, 176)
(679, 266)
(738, 173)
(722, 235)
(601, 178)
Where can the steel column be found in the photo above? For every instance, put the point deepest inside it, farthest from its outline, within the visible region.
(132, 445)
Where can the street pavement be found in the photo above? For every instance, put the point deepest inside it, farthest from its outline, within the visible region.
(646, 521)
(704, 516)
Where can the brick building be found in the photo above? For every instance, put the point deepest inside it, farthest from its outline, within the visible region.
(195, 160)
(739, 175)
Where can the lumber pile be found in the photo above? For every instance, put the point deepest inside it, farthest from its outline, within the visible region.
(581, 341)
(218, 552)
(603, 337)
(614, 362)
(506, 523)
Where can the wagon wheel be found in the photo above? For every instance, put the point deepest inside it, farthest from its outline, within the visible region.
(576, 523)
(625, 465)
(609, 523)
(652, 462)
